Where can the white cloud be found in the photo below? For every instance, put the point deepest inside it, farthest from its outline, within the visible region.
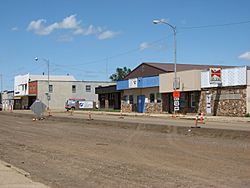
(87, 31)
(144, 46)
(39, 27)
(245, 56)
(107, 35)
(14, 29)
(70, 22)
(159, 46)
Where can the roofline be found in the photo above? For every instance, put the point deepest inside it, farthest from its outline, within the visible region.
(82, 81)
(141, 65)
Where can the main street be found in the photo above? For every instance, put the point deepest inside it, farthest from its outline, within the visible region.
(63, 152)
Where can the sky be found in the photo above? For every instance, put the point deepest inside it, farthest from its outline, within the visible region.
(89, 39)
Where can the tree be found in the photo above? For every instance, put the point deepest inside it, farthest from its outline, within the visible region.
(120, 74)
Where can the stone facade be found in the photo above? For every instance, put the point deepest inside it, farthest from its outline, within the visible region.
(125, 107)
(153, 108)
(225, 101)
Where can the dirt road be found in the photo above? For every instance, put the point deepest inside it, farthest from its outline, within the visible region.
(93, 154)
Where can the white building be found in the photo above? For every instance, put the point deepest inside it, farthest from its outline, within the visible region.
(7, 100)
(28, 88)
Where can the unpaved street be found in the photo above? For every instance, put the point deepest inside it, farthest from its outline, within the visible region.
(61, 153)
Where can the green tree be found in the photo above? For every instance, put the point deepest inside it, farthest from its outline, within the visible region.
(120, 74)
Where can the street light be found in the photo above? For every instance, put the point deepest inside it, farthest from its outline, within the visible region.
(47, 62)
(162, 21)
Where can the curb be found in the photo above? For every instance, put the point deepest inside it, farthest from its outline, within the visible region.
(20, 171)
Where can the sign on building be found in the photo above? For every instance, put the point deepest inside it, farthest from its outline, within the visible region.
(133, 83)
(215, 75)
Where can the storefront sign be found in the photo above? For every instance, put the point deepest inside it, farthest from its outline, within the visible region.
(215, 75)
(133, 83)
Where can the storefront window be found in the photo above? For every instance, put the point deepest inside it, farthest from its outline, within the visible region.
(192, 100)
(125, 99)
(158, 97)
(152, 97)
(131, 99)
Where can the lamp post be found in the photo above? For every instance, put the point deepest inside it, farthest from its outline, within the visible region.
(47, 62)
(162, 21)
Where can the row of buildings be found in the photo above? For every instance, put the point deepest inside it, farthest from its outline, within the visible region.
(28, 88)
(147, 89)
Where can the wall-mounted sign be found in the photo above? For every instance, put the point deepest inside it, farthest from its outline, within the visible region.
(133, 83)
(215, 75)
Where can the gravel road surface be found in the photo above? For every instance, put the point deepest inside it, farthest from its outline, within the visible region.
(63, 153)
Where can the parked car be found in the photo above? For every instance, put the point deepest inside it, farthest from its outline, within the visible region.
(1, 107)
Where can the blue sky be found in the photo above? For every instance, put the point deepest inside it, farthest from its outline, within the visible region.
(91, 38)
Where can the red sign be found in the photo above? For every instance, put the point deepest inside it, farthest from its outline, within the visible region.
(215, 75)
(176, 94)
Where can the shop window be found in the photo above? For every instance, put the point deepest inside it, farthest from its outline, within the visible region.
(88, 88)
(111, 96)
(73, 88)
(51, 88)
(152, 97)
(192, 100)
(125, 99)
(131, 99)
(158, 97)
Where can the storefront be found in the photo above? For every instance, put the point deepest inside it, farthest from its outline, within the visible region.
(230, 97)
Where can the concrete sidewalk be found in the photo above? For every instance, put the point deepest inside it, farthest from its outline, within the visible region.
(163, 115)
(135, 114)
(12, 177)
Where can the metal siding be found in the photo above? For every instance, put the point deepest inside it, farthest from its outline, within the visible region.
(230, 77)
(143, 82)
(122, 84)
(150, 81)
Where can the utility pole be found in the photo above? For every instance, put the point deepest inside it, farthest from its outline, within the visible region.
(1, 76)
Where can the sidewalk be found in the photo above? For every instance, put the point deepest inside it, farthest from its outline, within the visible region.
(164, 115)
(135, 114)
(12, 177)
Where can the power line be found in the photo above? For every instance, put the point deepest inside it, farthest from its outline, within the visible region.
(216, 25)
(113, 56)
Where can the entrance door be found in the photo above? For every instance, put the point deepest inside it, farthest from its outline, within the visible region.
(140, 103)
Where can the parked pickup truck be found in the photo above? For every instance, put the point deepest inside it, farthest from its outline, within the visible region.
(79, 104)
